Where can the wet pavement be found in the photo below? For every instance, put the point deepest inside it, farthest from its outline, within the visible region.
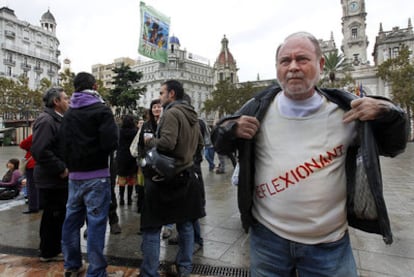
(225, 251)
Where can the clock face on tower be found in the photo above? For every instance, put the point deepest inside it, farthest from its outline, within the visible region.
(353, 6)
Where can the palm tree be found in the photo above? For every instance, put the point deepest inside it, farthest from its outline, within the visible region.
(335, 63)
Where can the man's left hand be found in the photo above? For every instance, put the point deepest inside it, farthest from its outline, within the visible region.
(366, 108)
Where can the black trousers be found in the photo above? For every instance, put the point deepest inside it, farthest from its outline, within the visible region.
(32, 191)
(53, 216)
(112, 215)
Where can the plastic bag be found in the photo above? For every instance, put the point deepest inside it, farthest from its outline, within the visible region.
(133, 148)
(235, 175)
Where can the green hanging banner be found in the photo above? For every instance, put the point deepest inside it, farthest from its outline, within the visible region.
(155, 27)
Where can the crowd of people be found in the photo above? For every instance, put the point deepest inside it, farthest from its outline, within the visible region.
(299, 151)
(77, 157)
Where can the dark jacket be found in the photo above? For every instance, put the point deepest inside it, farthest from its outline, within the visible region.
(386, 136)
(89, 134)
(45, 145)
(126, 165)
(179, 199)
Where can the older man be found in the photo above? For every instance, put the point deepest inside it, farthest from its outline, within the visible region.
(50, 173)
(298, 147)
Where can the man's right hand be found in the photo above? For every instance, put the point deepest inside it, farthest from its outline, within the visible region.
(247, 127)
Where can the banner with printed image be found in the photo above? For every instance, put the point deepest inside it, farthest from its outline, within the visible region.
(155, 27)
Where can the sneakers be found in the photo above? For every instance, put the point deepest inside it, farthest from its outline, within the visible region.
(197, 247)
(219, 171)
(56, 258)
(173, 271)
(75, 272)
(115, 228)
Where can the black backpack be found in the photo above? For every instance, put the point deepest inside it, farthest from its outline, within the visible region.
(6, 194)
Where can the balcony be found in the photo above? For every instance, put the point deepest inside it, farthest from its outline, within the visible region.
(25, 66)
(38, 69)
(9, 34)
(9, 62)
(51, 72)
(20, 50)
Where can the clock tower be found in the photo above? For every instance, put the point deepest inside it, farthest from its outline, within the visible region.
(355, 41)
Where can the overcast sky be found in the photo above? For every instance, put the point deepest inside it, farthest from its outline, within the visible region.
(96, 31)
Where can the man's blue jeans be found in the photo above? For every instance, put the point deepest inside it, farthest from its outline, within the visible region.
(273, 256)
(151, 249)
(209, 155)
(89, 198)
(197, 233)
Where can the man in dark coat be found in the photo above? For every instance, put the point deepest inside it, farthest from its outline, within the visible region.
(50, 173)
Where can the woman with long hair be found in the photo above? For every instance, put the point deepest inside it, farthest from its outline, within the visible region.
(148, 129)
(126, 166)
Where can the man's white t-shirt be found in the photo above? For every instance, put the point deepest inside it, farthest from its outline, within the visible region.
(300, 181)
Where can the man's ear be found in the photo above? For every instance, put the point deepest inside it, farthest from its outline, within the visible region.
(172, 93)
(56, 101)
(95, 86)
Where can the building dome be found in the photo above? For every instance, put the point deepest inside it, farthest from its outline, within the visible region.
(175, 40)
(48, 17)
(225, 57)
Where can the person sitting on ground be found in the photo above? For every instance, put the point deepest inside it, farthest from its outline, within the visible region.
(9, 184)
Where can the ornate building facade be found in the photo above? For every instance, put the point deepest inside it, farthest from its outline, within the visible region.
(28, 50)
(355, 46)
(225, 67)
(355, 41)
(193, 71)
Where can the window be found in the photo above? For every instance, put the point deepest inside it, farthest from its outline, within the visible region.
(385, 54)
(9, 71)
(26, 36)
(354, 33)
(395, 52)
(356, 60)
(10, 34)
